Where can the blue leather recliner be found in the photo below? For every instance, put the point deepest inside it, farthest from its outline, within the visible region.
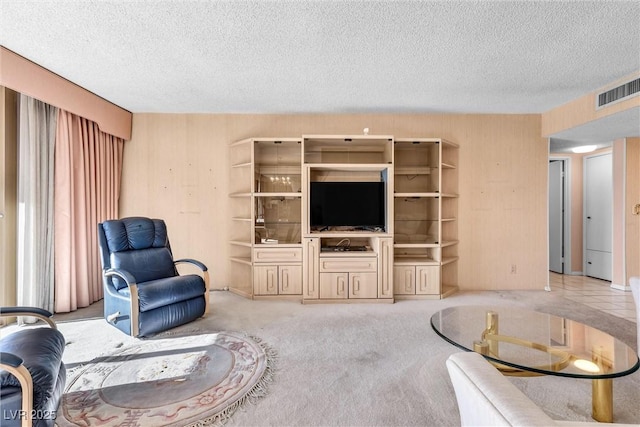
(143, 292)
(32, 374)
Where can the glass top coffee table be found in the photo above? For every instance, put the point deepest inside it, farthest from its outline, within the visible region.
(527, 343)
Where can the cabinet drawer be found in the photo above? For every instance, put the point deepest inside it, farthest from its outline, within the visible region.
(277, 254)
(348, 264)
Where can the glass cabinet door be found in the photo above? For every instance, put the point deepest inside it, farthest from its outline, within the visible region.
(278, 191)
(278, 219)
(278, 167)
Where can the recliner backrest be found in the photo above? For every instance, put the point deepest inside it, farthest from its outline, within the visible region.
(138, 245)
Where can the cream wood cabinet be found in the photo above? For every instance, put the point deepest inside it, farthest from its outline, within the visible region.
(352, 285)
(416, 280)
(425, 217)
(349, 277)
(277, 279)
(351, 258)
(277, 271)
(266, 211)
(288, 239)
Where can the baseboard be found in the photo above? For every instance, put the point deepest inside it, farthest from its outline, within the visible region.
(576, 273)
(621, 287)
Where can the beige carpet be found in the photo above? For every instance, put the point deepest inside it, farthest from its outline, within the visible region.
(370, 364)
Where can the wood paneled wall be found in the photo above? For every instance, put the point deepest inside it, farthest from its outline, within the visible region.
(176, 167)
(632, 225)
(618, 160)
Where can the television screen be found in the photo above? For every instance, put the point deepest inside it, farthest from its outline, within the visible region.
(347, 204)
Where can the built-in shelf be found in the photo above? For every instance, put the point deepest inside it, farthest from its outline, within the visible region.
(277, 254)
(425, 234)
(241, 165)
(266, 183)
(414, 260)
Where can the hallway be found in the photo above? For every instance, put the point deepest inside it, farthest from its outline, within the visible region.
(594, 293)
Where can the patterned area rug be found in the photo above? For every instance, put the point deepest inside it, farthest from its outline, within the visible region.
(195, 380)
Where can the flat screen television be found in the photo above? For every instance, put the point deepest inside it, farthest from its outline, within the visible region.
(360, 205)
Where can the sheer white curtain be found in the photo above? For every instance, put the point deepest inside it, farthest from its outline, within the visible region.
(36, 142)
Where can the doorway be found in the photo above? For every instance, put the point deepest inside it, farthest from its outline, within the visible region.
(559, 204)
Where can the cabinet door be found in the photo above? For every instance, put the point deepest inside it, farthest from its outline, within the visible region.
(404, 280)
(265, 280)
(363, 285)
(428, 280)
(334, 285)
(290, 279)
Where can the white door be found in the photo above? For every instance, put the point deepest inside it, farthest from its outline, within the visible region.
(556, 216)
(598, 222)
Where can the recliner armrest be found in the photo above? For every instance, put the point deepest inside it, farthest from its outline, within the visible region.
(40, 313)
(197, 263)
(134, 304)
(10, 359)
(8, 362)
(123, 274)
(205, 276)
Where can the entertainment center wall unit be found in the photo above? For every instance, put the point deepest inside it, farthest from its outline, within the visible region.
(344, 218)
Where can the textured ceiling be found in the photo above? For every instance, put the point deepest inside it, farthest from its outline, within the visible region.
(329, 56)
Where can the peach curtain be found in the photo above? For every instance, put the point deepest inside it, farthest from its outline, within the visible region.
(88, 165)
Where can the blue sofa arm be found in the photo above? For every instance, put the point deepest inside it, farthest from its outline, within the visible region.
(40, 313)
(10, 360)
(14, 365)
(32, 374)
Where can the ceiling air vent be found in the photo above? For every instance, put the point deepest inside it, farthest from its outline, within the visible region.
(618, 93)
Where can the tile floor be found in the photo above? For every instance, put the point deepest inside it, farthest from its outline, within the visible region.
(595, 293)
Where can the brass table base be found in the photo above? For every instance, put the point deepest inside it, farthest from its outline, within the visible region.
(601, 390)
(602, 400)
